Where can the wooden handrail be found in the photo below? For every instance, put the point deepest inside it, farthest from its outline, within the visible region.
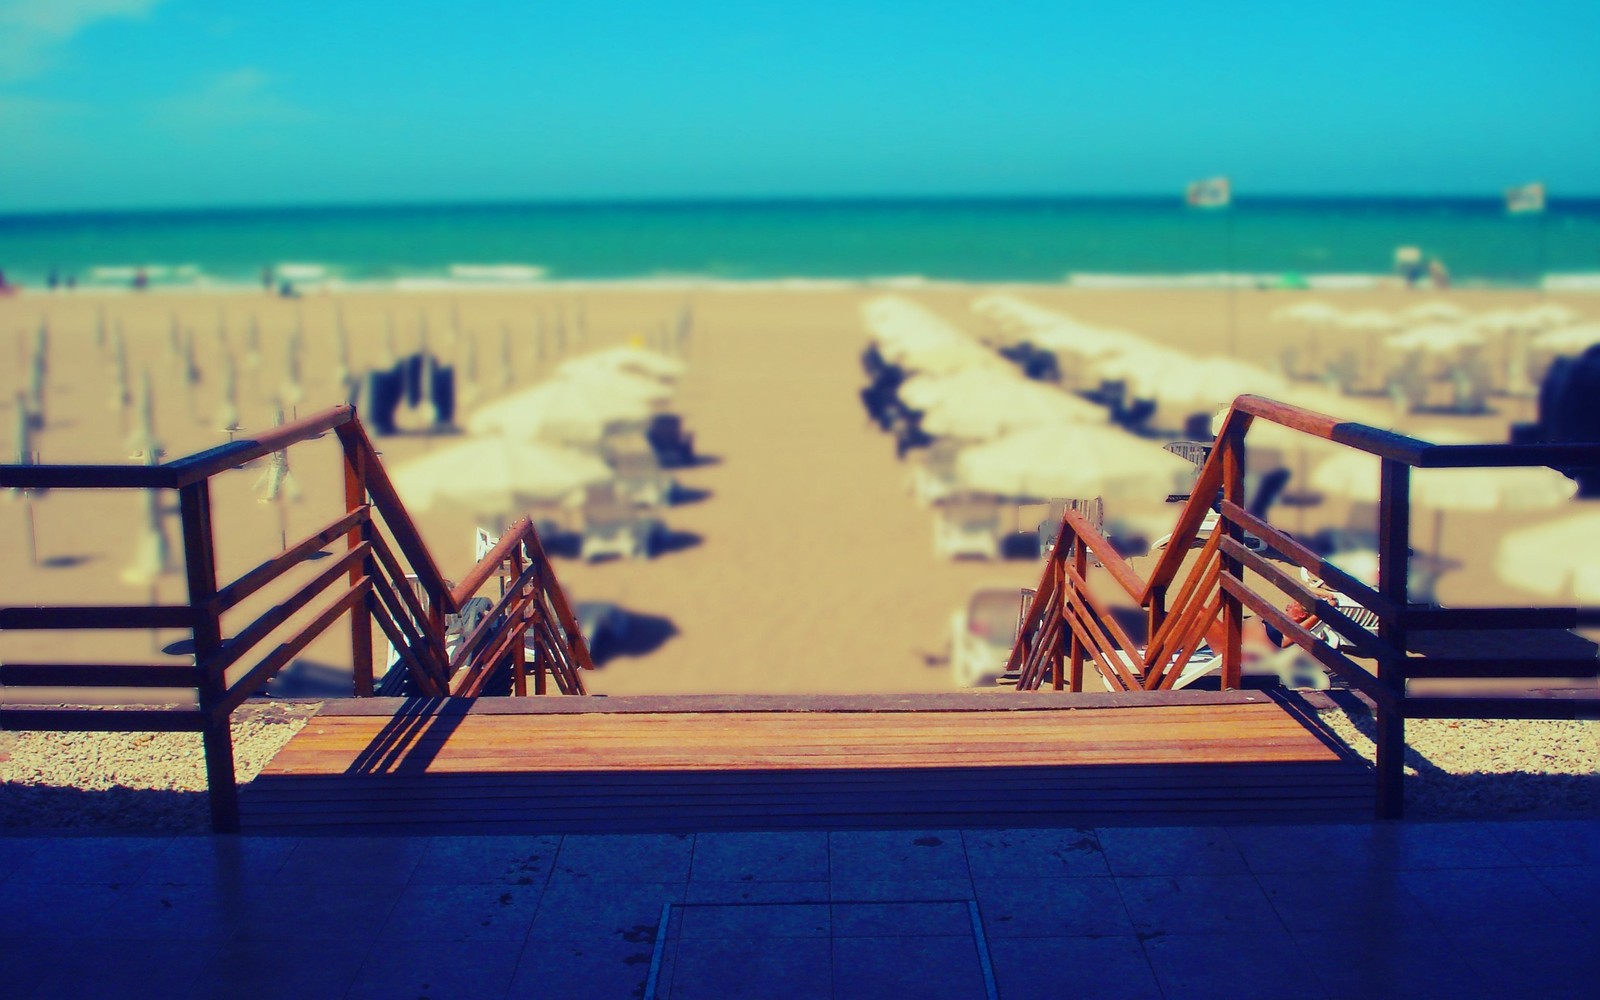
(208, 463)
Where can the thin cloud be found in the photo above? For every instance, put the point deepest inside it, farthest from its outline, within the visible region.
(239, 97)
(31, 31)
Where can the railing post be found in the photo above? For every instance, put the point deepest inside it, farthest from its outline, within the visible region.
(355, 494)
(200, 568)
(1080, 563)
(1394, 571)
(1058, 682)
(519, 652)
(1231, 444)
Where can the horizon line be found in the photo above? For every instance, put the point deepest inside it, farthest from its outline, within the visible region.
(670, 201)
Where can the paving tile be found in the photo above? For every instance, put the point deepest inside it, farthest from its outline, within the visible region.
(1300, 847)
(583, 967)
(1192, 904)
(1104, 968)
(757, 892)
(586, 911)
(896, 855)
(172, 912)
(438, 970)
(273, 970)
(15, 854)
(525, 860)
(352, 861)
(625, 857)
(1551, 843)
(1412, 960)
(722, 970)
(1172, 850)
(1488, 897)
(213, 859)
(471, 912)
(1011, 853)
(27, 959)
(294, 912)
(1578, 889)
(929, 968)
(44, 909)
(759, 920)
(1051, 907)
(84, 860)
(1320, 901)
(1258, 964)
(872, 891)
(1411, 846)
(127, 970)
(1542, 960)
(800, 856)
(888, 920)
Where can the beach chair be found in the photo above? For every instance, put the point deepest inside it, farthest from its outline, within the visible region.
(1093, 510)
(618, 529)
(673, 446)
(967, 526)
(934, 478)
(642, 482)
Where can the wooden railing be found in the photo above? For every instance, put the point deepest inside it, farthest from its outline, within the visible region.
(1067, 625)
(370, 581)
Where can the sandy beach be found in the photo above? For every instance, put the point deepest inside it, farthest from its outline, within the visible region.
(802, 563)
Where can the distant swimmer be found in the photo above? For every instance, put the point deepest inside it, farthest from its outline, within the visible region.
(141, 280)
(266, 279)
(1438, 274)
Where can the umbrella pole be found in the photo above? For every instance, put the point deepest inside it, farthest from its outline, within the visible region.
(33, 547)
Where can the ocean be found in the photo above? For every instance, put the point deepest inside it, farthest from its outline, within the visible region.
(1323, 242)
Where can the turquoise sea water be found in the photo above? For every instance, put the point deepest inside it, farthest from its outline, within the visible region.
(958, 240)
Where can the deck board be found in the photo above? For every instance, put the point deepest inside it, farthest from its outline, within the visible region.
(441, 766)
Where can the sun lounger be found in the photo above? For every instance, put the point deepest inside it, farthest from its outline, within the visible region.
(967, 526)
(934, 478)
(642, 482)
(618, 529)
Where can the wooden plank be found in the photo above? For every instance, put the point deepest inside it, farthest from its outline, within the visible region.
(1372, 440)
(246, 638)
(281, 654)
(87, 477)
(101, 720)
(240, 589)
(101, 617)
(160, 675)
(208, 463)
(387, 501)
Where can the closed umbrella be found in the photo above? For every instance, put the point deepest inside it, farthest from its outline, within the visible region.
(559, 410)
(496, 476)
(1558, 559)
(1072, 460)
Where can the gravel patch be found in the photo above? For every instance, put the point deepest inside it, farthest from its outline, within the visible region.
(131, 782)
(1486, 768)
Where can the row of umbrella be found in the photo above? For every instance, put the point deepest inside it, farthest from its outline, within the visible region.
(525, 446)
(1545, 316)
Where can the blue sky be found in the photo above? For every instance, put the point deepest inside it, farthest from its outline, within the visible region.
(157, 103)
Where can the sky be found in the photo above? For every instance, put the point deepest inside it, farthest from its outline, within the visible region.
(109, 104)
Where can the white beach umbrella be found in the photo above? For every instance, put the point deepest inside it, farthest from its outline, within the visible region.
(1558, 559)
(1436, 338)
(1200, 385)
(915, 338)
(1354, 474)
(1550, 315)
(1568, 341)
(1370, 320)
(1504, 321)
(630, 358)
(988, 410)
(1435, 310)
(496, 476)
(1072, 460)
(559, 410)
(615, 383)
(1313, 312)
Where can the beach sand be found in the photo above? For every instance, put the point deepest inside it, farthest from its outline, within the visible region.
(803, 565)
